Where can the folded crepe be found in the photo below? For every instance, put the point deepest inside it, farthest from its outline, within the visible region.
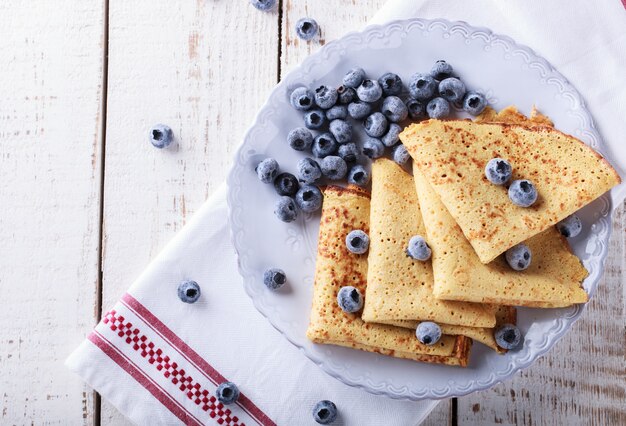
(344, 210)
(399, 287)
(452, 156)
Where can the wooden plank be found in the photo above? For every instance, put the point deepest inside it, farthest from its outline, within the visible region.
(581, 381)
(204, 68)
(50, 142)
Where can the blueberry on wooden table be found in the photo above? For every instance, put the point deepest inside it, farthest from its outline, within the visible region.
(307, 28)
(263, 5)
(161, 136)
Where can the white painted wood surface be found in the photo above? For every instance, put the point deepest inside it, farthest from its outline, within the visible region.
(204, 68)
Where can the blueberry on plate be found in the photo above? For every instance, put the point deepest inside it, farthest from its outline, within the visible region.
(357, 242)
(286, 184)
(349, 152)
(326, 97)
(161, 136)
(307, 28)
(375, 125)
(428, 333)
(369, 91)
(508, 336)
(422, 87)
(309, 198)
(341, 130)
(416, 109)
(400, 154)
(418, 248)
(189, 291)
(474, 103)
(346, 94)
(350, 299)
(325, 412)
(373, 148)
(441, 70)
(227, 393)
(354, 78)
(309, 170)
(498, 171)
(334, 168)
(338, 111)
(518, 257)
(286, 209)
(391, 84)
(324, 145)
(452, 89)
(300, 139)
(570, 226)
(358, 175)
(392, 136)
(267, 170)
(302, 99)
(263, 5)
(274, 278)
(359, 110)
(394, 109)
(314, 119)
(438, 108)
(523, 193)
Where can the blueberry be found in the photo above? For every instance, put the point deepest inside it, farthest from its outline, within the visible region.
(350, 299)
(422, 87)
(375, 125)
(394, 109)
(349, 152)
(324, 145)
(359, 110)
(309, 198)
(358, 175)
(334, 168)
(161, 136)
(369, 91)
(508, 336)
(391, 137)
(570, 226)
(390, 83)
(428, 333)
(286, 209)
(326, 97)
(264, 5)
(300, 139)
(286, 184)
(452, 89)
(354, 78)
(302, 99)
(227, 393)
(441, 70)
(267, 170)
(416, 109)
(189, 291)
(341, 130)
(357, 242)
(325, 412)
(418, 248)
(400, 154)
(373, 148)
(308, 170)
(338, 111)
(314, 119)
(307, 28)
(474, 103)
(518, 257)
(522, 193)
(498, 171)
(274, 278)
(346, 94)
(438, 108)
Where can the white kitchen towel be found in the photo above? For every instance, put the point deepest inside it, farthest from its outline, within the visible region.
(158, 360)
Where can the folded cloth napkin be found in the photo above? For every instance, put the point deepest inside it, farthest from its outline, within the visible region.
(159, 360)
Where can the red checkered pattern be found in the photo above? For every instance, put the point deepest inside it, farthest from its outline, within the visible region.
(170, 370)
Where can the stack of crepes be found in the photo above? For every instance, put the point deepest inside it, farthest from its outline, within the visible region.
(466, 287)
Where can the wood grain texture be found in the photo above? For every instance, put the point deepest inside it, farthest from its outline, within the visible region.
(582, 380)
(50, 142)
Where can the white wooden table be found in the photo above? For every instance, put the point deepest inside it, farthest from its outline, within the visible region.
(87, 202)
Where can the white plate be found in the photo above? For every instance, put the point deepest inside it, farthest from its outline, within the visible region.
(508, 74)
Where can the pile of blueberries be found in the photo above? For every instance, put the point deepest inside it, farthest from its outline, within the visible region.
(380, 105)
